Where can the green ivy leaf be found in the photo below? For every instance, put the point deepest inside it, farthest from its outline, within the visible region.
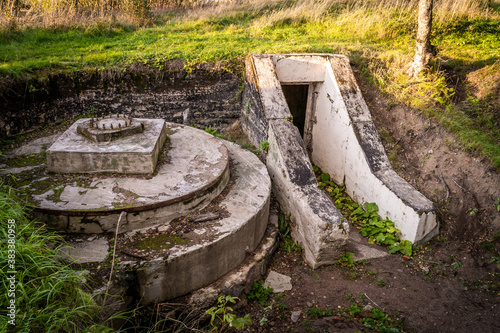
(380, 238)
(395, 248)
(325, 177)
(406, 248)
(239, 323)
(371, 207)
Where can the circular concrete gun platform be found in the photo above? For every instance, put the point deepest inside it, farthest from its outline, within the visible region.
(192, 180)
(171, 265)
(194, 170)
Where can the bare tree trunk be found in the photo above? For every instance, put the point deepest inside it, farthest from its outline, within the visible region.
(424, 50)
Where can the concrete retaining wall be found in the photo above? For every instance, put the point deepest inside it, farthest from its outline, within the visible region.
(204, 97)
(346, 144)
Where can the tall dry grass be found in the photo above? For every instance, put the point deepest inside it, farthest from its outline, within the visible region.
(50, 13)
(362, 15)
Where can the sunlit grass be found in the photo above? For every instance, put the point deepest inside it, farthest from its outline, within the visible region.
(379, 37)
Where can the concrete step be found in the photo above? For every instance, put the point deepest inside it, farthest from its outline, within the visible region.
(194, 170)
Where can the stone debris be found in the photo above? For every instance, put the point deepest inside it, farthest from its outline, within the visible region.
(203, 217)
(296, 316)
(362, 249)
(278, 282)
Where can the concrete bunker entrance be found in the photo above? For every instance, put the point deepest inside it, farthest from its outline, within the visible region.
(334, 130)
(296, 96)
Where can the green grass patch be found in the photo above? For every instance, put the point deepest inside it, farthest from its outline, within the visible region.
(49, 295)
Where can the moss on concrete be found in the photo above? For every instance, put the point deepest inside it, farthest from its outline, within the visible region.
(159, 242)
(26, 160)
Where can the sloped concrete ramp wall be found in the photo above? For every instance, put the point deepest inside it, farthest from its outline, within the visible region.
(346, 144)
(340, 138)
(317, 225)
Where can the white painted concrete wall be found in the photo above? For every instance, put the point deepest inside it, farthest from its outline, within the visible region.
(300, 68)
(329, 135)
(343, 126)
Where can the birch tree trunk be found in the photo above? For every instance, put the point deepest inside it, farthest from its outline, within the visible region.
(424, 50)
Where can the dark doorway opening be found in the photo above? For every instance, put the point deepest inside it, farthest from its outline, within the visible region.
(296, 98)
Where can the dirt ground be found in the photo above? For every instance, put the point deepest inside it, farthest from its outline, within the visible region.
(451, 284)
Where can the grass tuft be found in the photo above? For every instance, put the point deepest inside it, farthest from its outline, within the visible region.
(49, 295)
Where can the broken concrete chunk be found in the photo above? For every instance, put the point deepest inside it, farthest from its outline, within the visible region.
(278, 282)
(296, 316)
(203, 217)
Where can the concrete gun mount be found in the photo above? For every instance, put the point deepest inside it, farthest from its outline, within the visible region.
(112, 144)
(221, 191)
(107, 129)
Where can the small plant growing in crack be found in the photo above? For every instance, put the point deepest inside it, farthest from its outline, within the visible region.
(264, 146)
(221, 315)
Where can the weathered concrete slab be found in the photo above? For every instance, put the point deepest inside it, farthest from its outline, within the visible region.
(196, 172)
(300, 68)
(35, 146)
(5, 169)
(83, 252)
(362, 249)
(253, 119)
(225, 245)
(74, 153)
(269, 88)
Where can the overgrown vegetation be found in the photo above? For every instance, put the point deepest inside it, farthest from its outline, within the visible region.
(259, 293)
(287, 243)
(365, 218)
(378, 36)
(49, 295)
(372, 318)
